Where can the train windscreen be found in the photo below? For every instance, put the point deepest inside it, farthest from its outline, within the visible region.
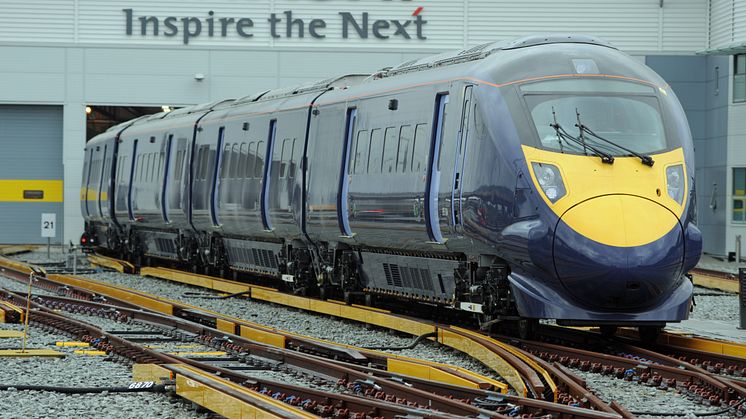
(623, 116)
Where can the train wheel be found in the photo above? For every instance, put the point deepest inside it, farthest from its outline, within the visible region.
(608, 331)
(370, 300)
(527, 328)
(649, 334)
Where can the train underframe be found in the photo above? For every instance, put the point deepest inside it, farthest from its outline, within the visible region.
(451, 285)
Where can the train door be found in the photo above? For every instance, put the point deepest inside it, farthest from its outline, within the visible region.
(166, 178)
(267, 175)
(215, 184)
(133, 166)
(105, 173)
(432, 214)
(87, 182)
(460, 161)
(343, 212)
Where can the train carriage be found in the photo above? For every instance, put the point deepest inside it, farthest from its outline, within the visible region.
(546, 177)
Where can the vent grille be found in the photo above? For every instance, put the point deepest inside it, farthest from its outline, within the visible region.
(252, 256)
(405, 277)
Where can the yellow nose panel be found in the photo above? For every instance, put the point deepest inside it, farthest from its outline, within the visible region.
(620, 220)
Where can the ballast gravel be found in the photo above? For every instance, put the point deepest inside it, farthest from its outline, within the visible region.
(294, 320)
(75, 371)
(640, 399)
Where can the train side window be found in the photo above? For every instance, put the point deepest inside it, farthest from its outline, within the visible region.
(241, 160)
(390, 145)
(159, 172)
(259, 162)
(177, 165)
(420, 149)
(284, 157)
(234, 161)
(250, 160)
(361, 152)
(376, 151)
(402, 155)
(291, 160)
(202, 162)
(153, 165)
(225, 161)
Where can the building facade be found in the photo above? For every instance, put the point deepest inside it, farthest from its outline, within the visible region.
(59, 56)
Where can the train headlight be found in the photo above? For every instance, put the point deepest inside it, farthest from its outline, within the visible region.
(550, 180)
(675, 182)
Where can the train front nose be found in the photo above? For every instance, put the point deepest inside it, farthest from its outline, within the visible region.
(618, 251)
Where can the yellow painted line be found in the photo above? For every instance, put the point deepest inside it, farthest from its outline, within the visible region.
(481, 353)
(15, 249)
(15, 266)
(701, 344)
(262, 336)
(121, 293)
(373, 316)
(11, 333)
(217, 284)
(118, 265)
(722, 284)
(204, 353)
(442, 374)
(210, 392)
(523, 357)
(30, 353)
(150, 372)
(11, 190)
(73, 344)
(226, 326)
(89, 353)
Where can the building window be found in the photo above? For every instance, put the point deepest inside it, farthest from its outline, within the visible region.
(739, 194)
(739, 78)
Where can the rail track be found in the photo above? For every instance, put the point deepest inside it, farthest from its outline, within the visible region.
(463, 395)
(705, 370)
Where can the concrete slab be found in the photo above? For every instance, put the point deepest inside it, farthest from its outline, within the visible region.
(30, 353)
(711, 329)
(720, 265)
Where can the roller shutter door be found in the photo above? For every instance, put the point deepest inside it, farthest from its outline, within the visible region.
(30, 171)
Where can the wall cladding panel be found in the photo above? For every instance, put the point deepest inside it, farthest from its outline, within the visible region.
(48, 21)
(634, 25)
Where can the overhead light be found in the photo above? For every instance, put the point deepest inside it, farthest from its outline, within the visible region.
(166, 108)
(88, 110)
(199, 76)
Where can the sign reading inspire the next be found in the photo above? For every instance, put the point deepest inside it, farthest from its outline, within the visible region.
(281, 25)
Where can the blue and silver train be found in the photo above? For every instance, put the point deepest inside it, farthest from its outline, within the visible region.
(549, 177)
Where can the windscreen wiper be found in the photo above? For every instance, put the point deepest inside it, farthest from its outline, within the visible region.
(564, 135)
(646, 160)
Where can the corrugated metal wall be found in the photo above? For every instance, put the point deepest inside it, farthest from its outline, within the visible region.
(633, 25)
(727, 23)
(30, 159)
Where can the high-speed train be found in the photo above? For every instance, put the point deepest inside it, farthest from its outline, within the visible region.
(549, 177)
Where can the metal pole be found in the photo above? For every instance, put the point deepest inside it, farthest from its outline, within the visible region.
(738, 248)
(742, 296)
(49, 247)
(28, 309)
(75, 262)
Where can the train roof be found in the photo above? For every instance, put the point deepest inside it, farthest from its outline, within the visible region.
(475, 53)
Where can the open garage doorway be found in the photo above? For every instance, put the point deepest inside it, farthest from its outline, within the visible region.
(99, 118)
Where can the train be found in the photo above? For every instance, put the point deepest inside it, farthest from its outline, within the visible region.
(545, 177)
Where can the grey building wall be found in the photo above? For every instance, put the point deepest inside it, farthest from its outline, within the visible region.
(701, 84)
